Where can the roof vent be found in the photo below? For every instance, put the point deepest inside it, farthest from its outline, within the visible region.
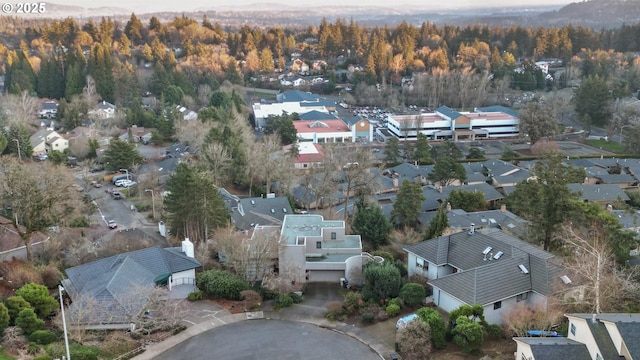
(565, 279)
(498, 255)
(472, 229)
(253, 202)
(284, 210)
(273, 211)
(523, 269)
(487, 250)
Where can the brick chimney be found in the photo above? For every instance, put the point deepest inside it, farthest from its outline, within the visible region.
(503, 208)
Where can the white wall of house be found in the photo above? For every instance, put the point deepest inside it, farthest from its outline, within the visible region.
(583, 334)
(494, 316)
(523, 351)
(615, 336)
(329, 137)
(183, 277)
(445, 301)
(326, 275)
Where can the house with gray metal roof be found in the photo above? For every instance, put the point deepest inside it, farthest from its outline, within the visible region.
(601, 193)
(591, 336)
(460, 220)
(112, 293)
(248, 212)
(490, 268)
(504, 174)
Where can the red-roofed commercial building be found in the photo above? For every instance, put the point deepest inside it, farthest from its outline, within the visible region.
(325, 131)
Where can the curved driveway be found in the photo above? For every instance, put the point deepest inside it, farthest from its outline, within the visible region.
(270, 340)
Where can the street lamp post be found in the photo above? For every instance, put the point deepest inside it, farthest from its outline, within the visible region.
(153, 203)
(64, 323)
(18, 143)
(126, 172)
(622, 128)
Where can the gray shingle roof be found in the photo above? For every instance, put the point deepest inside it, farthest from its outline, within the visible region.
(601, 192)
(120, 283)
(249, 212)
(483, 281)
(555, 348)
(486, 284)
(627, 324)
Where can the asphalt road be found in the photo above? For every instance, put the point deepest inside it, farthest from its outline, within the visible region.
(270, 340)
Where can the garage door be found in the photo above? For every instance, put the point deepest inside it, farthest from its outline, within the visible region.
(326, 275)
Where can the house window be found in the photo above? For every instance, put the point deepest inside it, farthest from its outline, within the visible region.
(333, 236)
(573, 329)
(318, 244)
(420, 264)
(522, 297)
(497, 305)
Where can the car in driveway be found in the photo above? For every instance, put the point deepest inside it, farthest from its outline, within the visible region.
(112, 224)
(116, 195)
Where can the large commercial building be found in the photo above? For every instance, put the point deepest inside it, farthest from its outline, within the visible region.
(445, 123)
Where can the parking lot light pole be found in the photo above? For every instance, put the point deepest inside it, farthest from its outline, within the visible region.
(126, 172)
(64, 323)
(153, 203)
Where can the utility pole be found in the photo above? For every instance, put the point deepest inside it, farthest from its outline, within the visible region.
(153, 202)
(64, 323)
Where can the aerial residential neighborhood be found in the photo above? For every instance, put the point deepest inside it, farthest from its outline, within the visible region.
(427, 187)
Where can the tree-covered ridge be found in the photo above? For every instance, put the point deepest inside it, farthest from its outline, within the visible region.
(203, 52)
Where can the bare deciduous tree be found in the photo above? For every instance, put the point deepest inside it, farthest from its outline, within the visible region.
(250, 255)
(40, 195)
(217, 160)
(21, 109)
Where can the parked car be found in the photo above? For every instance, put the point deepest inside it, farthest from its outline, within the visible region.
(97, 170)
(128, 183)
(96, 184)
(124, 182)
(116, 195)
(112, 224)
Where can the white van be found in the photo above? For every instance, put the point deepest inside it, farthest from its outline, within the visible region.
(405, 320)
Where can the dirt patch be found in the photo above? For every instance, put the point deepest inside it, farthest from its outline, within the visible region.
(234, 307)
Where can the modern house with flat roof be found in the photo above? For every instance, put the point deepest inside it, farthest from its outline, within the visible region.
(446, 123)
(317, 250)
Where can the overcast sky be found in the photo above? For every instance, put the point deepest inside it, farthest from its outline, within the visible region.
(144, 6)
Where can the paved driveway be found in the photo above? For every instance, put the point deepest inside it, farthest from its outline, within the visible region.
(270, 340)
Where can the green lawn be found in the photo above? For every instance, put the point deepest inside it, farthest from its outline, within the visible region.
(4, 356)
(607, 145)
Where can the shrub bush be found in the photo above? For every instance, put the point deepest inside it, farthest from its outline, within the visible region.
(284, 300)
(495, 331)
(268, 294)
(251, 299)
(368, 318)
(77, 351)
(14, 305)
(412, 294)
(400, 265)
(221, 285)
(39, 298)
(50, 276)
(80, 221)
(353, 301)
(28, 321)
(335, 311)
(195, 295)
(396, 301)
(43, 337)
(4, 318)
(468, 334)
(392, 310)
(43, 357)
(436, 324)
(297, 299)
